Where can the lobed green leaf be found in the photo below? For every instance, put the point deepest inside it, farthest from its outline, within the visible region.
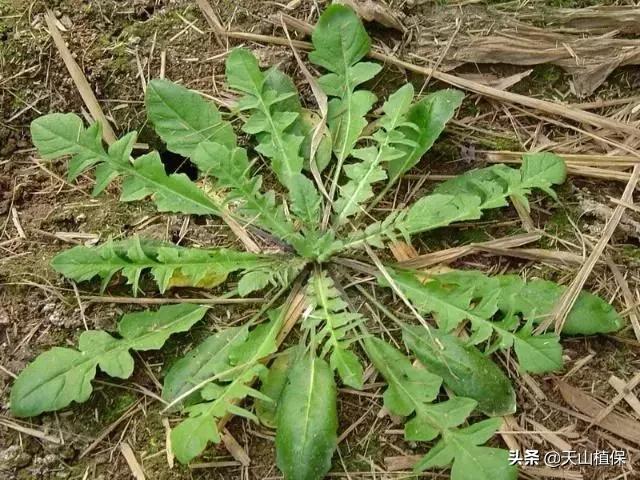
(340, 42)
(464, 369)
(229, 373)
(169, 265)
(535, 299)
(63, 375)
(411, 391)
(57, 135)
(462, 448)
(493, 185)
(461, 199)
(331, 322)
(231, 168)
(427, 118)
(389, 139)
(273, 120)
(409, 386)
(451, 306)
(183, 119)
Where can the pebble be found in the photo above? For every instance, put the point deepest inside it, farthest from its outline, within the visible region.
(13, 457)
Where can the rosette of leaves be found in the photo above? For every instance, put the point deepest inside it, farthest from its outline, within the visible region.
(228, 373)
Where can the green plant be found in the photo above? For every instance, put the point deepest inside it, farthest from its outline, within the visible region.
(298, 394)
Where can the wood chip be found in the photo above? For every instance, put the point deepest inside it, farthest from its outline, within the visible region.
(212, 19)
(619, 425)
(235, 449)
(375, 11)
(30, 431)
(130, 457)
(16, 222)
(548, 472)
(403, 252)
(628, 296)
(565, 304)
(576, 159)
(167, 447)
(509, 423)
(595, 20)
(536, 254)
(549, 436)
(621, 387)
(451, 254)
(589, 59)
(617, 399)
(79, 79)
(401, 462)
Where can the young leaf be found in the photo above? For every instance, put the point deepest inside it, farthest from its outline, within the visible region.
(460, 199)
(56, 135)
(389, 141)
(183, 118)
(429, 115)
(306, 122)
(226, 388)
(307, 421)
(340, 42)
(231, 168)
(170, 266)
(465, 370)
(244, 75)
(307, 125)
(465, 196)
(271, 121)
(305, 203)
(63, 375)
(496, 183)
(332, 322)
(451, 306)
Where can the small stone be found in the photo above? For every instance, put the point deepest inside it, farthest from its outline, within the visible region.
(66, 21)
(54, 314)
(13, 457)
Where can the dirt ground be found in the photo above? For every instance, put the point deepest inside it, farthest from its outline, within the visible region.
(42, 214)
